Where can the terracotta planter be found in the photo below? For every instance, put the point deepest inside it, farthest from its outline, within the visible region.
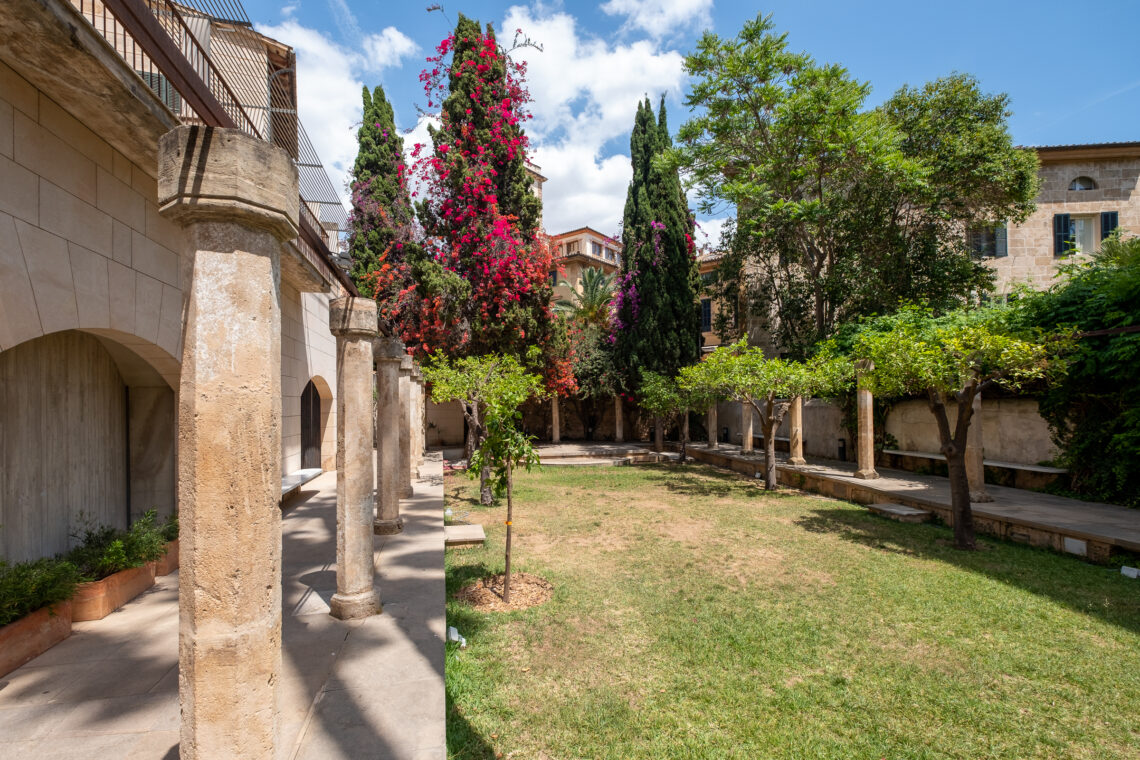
(31, 636)
(167, 563)
(98, 599)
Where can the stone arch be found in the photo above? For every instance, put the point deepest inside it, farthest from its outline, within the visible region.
(318, 436)
(88, 421)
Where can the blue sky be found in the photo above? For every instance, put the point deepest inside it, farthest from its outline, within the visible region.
(1069, 69)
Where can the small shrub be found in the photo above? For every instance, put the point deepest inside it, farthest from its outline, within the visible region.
(27, 586)
(105, 551)
(170, 528)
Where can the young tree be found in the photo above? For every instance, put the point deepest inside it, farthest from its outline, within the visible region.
(499, 385)
(668, 401)
(843, 211)
(768, 386)
(590, 307)
(950, 360)
(656, 319)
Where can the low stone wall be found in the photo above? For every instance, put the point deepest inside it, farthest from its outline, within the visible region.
(1012, 430)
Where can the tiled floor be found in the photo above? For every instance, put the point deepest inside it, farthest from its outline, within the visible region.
(364, 689)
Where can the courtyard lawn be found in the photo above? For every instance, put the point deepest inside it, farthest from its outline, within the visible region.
(696, 616)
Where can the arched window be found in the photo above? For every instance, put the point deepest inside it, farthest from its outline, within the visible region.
(1083, 183)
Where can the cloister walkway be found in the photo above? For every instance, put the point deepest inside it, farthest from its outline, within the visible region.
(370, 688)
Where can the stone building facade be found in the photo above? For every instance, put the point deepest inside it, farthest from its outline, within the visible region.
(93, 290)
(1086, 190)
(576, 251)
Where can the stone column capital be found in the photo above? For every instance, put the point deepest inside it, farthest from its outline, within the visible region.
(406, 366)
(388, 349)
(224, 175)
(352, 317)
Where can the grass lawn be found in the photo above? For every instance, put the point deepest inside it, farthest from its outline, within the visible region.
(695, 616)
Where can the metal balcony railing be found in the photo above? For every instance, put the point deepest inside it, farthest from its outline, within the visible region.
(205, 61)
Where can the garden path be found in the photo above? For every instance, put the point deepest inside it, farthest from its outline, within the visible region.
(371, 688)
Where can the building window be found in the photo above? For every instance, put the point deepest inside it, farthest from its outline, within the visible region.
(706, 314)
(553, 277)
(595, 249)
(1083, 183)
(988, 242)
(1081, 233)
(572, 247)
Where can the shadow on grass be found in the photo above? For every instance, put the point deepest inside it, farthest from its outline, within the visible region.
(1082, 587)
(464, 742)
(698, 479)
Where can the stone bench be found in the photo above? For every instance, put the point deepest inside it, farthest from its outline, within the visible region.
(463, 535)
(291, 483)
(1012, 474)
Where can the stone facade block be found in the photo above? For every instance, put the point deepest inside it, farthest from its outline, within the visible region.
(7, 127)
(92, 287)
(19, 317)
(53, 159)
(119, 200)
(49, 268)
(73, 219)
(19, 192)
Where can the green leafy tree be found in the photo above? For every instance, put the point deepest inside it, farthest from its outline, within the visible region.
(656, 319)
(499, 385)
(768, 386)
(1094, 411)
(843, 211)
(949, 360)
(669, 402)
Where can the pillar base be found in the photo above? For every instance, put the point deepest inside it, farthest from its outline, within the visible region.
(354, 606)
(798, 461)
(388, 527)
(980, 497)
(867, 475)
(407, 493)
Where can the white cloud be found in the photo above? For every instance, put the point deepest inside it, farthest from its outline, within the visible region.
(388, 48)
(708, 232)
(661, 18)
(585, 94)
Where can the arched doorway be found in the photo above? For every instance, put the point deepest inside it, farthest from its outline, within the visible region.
(310, 426)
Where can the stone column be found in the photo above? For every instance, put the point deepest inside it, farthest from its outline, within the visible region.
(388, 354)
(417, 417)
(745, 427)
(619, 433)
(796, 432)
(555, 422)
(865, 405)
(237, 199)
(975, 464)
(713, 440)
(405, 427)
(353, 322)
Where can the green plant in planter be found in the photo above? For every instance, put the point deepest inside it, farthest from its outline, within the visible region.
(170, 528)
(27, 586)
(105, 551)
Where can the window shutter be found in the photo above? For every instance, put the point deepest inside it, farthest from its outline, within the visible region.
(1062, 234)
(1109, 221)
(1001, 243)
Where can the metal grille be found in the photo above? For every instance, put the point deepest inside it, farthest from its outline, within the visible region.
(251, 84)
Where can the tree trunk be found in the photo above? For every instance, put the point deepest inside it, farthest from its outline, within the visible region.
(769, 425)
(471, 415)
(486, 497)
(684, 435)
(954, 449)
(658, 434)
(963, 515)
(510, 515)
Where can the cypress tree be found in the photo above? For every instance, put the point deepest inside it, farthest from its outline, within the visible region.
(380, 225)
(657, 323)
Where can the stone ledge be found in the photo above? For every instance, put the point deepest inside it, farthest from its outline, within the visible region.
(463, 535)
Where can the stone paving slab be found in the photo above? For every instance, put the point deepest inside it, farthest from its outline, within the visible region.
(464, 535)
(349, 689)
(900, 512)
